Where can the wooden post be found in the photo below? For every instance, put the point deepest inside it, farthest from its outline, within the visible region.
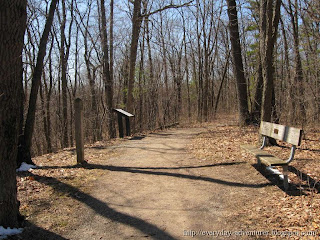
(79, 130)
(120, 125)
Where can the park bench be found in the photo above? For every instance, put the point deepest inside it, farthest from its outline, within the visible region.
(283, 133)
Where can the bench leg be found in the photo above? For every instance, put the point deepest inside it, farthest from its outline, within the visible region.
(285, 177)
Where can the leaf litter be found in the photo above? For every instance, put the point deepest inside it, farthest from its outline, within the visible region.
(298, 212)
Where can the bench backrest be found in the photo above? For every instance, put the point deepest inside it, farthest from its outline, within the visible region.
(280, 132)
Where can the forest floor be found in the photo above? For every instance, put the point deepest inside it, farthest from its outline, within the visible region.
(174, 184)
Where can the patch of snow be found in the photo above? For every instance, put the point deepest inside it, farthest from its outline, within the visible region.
(275, 171)
(25, 167)
(5, 232)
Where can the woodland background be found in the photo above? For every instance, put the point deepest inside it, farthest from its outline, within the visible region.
(183, 70)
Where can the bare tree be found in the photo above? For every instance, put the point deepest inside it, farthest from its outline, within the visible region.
(237, 63)
(25, 141)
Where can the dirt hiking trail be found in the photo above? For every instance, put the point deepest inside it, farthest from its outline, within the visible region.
(155, 188)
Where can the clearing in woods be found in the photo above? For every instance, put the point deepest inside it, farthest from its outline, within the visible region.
(165, 185)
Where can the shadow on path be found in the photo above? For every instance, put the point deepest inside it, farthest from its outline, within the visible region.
(170, 174)
(103, 209)
(190, 167)
(142, 170)
(178, 175)
(33, 232)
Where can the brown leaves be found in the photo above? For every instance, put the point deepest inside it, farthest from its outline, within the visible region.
(272, 209)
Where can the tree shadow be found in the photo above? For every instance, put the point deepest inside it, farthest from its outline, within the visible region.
(98, 147)
(190, 167)
(106, 167)
(310, 149)
(103, 209)
(170, 174)
(163, 135)
(142, 170)
(134, 138)
(33, 232)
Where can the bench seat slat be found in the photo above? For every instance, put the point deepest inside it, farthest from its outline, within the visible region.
(263, 156)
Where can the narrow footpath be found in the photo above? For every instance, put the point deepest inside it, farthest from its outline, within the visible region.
(154, 188)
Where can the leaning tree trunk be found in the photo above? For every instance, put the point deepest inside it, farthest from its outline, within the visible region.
(237, 63)
(12, 27)
(25, 141)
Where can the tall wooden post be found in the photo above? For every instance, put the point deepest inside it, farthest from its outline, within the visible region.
(79, 130)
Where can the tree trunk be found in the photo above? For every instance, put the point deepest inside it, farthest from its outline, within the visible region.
(256, 109)
(64, 83)
(166, 104)
(141, 87)
(12, 27)
(298, 79)
(269, 20)
(225, 69)
(25, 141)
(48, 100)
(136, 25)
(106, 72)
(237, 63)
(187, 68)
(153, 109)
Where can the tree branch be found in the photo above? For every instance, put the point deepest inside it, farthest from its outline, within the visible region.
(167, 7)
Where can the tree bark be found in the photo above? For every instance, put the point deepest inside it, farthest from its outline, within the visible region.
(12, 27)
(136, 25)
(64, 83)
(269, 21)
(237, 63)
(256, 109)
(166, 104)
(48, 91)
(106, 72)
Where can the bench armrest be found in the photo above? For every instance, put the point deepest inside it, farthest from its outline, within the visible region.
(293, 149)
(264, 141)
